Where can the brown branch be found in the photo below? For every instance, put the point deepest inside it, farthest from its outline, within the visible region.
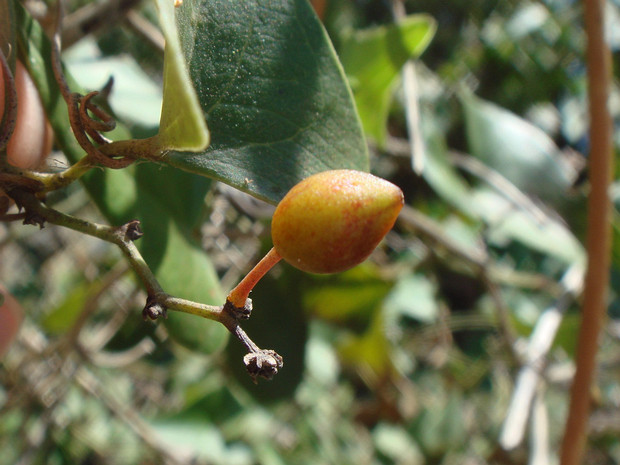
(598, 240)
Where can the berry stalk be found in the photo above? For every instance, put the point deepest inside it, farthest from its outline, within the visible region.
(240, 293)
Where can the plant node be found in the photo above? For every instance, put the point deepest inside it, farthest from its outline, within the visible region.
(133, 231)
(34, 219)
(153, 310)
(239, 313)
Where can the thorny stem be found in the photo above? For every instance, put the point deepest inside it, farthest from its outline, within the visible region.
(259, 362)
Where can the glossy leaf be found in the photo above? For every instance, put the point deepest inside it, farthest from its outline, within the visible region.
(373, 78)
(182, 125)
(274, 94)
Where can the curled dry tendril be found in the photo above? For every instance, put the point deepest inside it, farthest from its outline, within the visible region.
(86, 129)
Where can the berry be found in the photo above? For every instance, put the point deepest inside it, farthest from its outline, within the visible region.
(327, 223)
(333, 220)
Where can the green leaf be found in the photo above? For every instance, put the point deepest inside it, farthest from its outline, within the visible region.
(370, 353)
(275, 96)
(396, 443)
(443, 177)
(516, 149)
(440, 427)
(182, 125)
(350, 296)
(373, 58)
(507, 222)
(200, 438)
(61, 318)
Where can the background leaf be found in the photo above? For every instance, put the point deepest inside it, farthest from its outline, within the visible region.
(276, 99)
(372, 80)
(135, 97)
(516, 149)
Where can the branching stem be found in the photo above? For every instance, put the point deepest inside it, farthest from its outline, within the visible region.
(38, 213)
(259, 362)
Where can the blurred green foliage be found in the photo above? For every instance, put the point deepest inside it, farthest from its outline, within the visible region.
(410, 358)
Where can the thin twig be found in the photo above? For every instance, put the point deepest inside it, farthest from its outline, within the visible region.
(12, 217)
(56, 377)
(125, 357)
(529, 377)
(598, 240)
(38, 213)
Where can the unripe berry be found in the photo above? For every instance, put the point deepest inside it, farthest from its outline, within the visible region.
(327, 223)
(333, 220)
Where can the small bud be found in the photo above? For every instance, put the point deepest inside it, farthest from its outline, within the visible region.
(240, 313)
